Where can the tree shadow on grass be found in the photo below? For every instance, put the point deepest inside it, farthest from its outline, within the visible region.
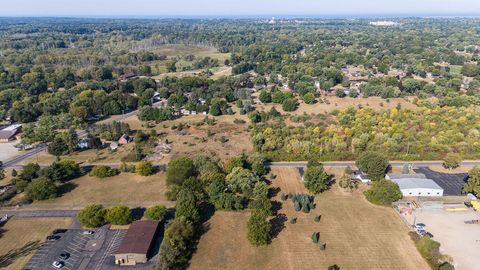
(13, 255)
(276, 206)
(66, 188)
(278, 224)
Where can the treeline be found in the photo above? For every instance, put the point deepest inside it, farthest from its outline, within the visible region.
(404, 134)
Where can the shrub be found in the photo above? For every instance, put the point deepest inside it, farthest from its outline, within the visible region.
(284, 197)
(383, 192)
(144, 168)
(317, 218)
(323, 246)
(101, 171)
(41, 189)
(156, 212)
(315, 237)
(333, 267)
(297, 206)
(306, 208)
(452, 161)
(119, 215)
(293, 220)
(92, 216)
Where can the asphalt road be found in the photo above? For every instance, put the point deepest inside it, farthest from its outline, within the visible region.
(300, 164)
(39, 213)
(15, 163)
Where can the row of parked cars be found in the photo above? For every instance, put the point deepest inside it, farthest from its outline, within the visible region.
(56, 234)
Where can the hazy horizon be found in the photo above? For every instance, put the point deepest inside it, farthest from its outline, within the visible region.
(244, 8)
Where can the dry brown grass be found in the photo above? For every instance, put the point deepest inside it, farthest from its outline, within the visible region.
(21, 237)
(336, 103)
(358, 235)
(194, 140)
(128, 189)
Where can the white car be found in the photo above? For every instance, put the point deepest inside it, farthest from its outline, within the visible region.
(58, 264)
(88, 232)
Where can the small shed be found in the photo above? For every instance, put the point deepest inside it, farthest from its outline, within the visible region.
(137, 245)
(8, 134)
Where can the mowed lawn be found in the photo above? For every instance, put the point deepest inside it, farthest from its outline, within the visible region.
(21, 237)
(358, 235)
(126, 188)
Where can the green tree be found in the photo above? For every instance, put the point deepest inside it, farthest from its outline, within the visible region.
(265, 97)
(176, 246)
(289, 105)
(473, 182)
(92, 216)
(309, 98)
(315, 179)
(144, 168)
(241, 180)
(119, 215)
(156, 212)
(383, 192)
(179, 170)
(41, 189)
(452, 161)
(58, 147)
(374, 164)
(30, 171)
(186, 206)
(258, 229)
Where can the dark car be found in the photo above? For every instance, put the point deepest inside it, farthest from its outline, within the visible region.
(65, 256)
(58, 231)
(53, 237)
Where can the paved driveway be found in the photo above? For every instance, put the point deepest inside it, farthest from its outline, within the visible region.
(452, 183)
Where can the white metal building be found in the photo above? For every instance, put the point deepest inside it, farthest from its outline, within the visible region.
(418, 187)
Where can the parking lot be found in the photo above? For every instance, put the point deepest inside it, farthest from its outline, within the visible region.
(452, 183)
(459, 240)
(92, 252)
(72, 242)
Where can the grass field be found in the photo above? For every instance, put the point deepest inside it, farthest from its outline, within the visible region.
(358, 235)
(127, 189)
(336, 103)
(21, 237)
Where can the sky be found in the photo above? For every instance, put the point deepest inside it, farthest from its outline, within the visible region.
(220, 8)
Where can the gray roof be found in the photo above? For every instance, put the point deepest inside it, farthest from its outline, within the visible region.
(412, 183)
(7, 134)
(402, 176)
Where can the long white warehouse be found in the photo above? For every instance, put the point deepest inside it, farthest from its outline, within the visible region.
(415, 186)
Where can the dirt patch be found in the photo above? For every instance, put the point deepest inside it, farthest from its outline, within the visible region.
(358, 235)
(21, 237)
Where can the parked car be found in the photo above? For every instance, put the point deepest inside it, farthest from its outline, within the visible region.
(57, 231)
(420, 226)
(65, 256)
(53, 237)
(88, 232)
(58, 264)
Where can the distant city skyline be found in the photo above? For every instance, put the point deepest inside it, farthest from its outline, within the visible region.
(235, 8)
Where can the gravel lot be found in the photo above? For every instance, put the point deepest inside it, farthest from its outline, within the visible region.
(458, 240)
(7, 151)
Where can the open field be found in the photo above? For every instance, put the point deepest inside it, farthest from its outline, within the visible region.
(179, 51)
(458, 240)
(336, 103)
(21, 237)
(126, 188)
(102, 156)
(358, 235)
